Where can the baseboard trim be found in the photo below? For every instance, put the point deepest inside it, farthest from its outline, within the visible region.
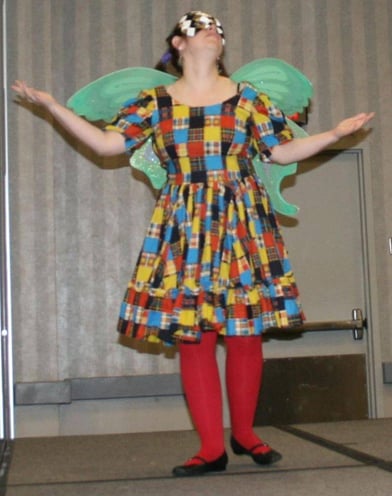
(97, 388)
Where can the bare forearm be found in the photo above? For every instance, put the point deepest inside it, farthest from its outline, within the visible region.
(102, 142)
(302, 148)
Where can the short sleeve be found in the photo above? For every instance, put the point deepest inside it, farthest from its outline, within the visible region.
(134, 120)
(269, 126)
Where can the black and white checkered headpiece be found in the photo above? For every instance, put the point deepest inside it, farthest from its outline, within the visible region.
(193, 22)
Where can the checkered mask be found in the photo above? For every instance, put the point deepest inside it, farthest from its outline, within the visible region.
(193, 22)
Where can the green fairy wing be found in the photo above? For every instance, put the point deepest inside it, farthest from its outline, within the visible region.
(286, 86)
(291, 91)
(102, 99)
(146, 160)
(272, 176)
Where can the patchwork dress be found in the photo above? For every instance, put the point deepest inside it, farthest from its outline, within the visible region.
(213, 258)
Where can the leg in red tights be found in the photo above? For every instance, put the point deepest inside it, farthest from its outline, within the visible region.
(202, 388)
(244, 368)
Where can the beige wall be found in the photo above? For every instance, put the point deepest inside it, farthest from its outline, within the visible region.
(78, 221)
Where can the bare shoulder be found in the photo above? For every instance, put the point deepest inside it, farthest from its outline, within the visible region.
(228, 85)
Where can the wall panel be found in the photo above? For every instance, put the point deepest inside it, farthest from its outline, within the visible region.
(78, 220)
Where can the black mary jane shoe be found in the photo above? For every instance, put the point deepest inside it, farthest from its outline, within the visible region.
(197, 468)
(267, 458)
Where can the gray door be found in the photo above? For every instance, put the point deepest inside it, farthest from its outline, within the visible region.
(329, 245)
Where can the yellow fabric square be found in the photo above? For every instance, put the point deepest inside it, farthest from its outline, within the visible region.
(212, 133)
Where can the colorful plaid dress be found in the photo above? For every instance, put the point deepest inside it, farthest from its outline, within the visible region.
(213, 258)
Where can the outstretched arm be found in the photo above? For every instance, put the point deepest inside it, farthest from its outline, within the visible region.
(302, 148)
(102, 142)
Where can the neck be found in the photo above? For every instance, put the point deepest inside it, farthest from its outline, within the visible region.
(200, 76)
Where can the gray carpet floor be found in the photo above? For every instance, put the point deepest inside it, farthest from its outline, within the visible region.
(344, 458)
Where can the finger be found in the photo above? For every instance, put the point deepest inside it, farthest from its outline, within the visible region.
(17, 86)
(30, 94)
(362, 118)
(20, 88)
(367, 118)
(371, 116)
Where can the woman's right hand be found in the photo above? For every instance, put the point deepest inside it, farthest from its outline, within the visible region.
(102, 142)
(33, 95)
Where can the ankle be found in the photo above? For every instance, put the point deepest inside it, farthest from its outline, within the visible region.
(250, 441)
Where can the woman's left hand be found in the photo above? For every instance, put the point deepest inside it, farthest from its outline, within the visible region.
(302, 148)
(352, 124)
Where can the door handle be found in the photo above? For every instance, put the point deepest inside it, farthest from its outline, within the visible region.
(357, 324)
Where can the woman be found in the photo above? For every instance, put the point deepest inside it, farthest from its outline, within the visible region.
(213, 261)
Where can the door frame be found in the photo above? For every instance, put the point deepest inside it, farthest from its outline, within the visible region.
(7, 420)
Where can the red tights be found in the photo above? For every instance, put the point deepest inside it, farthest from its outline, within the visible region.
(202, 387)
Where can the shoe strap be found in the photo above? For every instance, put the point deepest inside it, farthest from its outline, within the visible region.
(260, 445)
(196, 457)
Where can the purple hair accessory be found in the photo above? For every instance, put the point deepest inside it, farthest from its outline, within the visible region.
(166, 57)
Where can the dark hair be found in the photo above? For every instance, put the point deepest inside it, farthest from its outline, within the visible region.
(170, 60)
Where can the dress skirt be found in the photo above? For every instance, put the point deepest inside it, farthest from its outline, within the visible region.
(213, 259)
